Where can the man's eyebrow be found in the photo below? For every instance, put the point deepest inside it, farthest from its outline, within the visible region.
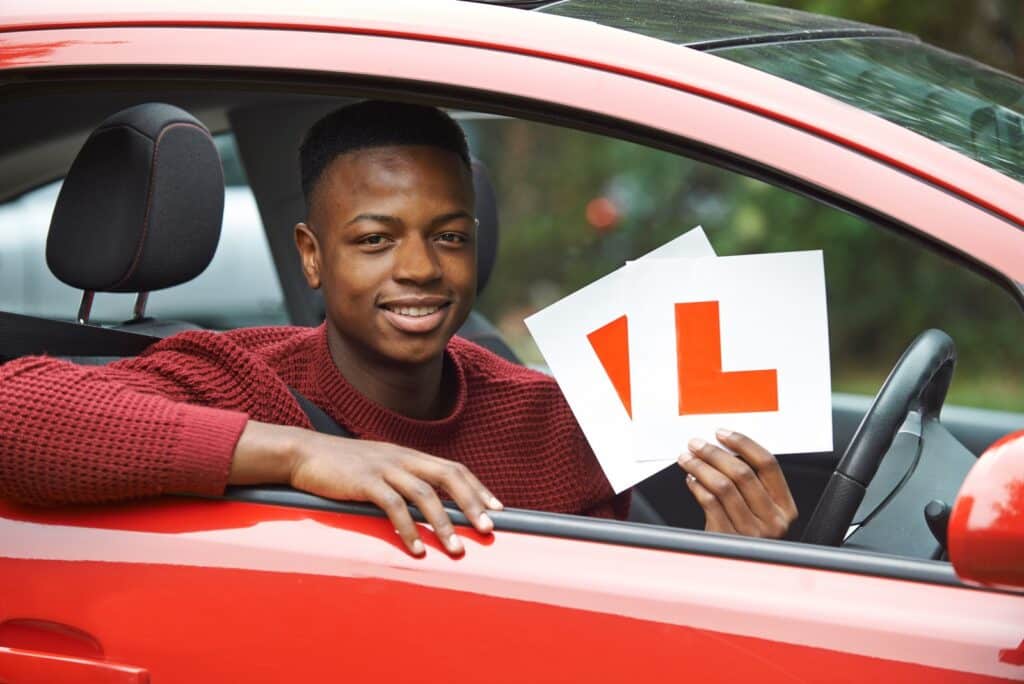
(394, 220)
(379, 218)
(451, 216)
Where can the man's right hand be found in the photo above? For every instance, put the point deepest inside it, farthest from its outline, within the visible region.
(387, 475)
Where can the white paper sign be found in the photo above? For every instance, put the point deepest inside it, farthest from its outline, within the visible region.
(561, 333)
(737, 342)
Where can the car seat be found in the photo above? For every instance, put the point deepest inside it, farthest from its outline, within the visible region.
(477, 328)
(140, 210)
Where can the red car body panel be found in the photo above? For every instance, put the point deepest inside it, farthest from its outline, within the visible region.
(203, 591)
(282, 593)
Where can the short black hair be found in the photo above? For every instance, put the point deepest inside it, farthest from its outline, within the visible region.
(375, 123)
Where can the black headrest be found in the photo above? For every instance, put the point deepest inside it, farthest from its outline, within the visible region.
(487, 232)
(142, 205)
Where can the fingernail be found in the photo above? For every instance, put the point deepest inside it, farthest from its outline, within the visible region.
(495, 504)
(485, 522)
(723, 433)
(696, 444)
(684, 457)
(690, 478)
(417, 547)
(454, 544)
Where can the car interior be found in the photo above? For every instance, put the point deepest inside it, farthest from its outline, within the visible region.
(88, 132)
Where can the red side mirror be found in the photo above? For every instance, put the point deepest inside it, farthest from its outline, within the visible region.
(986, 528)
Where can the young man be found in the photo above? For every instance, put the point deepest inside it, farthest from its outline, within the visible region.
(389, 239)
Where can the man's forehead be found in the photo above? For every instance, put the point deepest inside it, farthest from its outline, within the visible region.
(399, 158)
(394, 168)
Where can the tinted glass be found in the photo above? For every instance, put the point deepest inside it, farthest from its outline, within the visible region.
(972, 109)
(697, 21)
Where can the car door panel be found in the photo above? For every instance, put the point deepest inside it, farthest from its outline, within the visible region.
(205, 590)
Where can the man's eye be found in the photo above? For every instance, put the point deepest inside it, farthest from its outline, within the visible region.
(372, 240)
(455, 238)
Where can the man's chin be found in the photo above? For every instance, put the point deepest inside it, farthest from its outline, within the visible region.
(415, 352)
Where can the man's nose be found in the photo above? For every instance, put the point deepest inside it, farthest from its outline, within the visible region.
(416, 261)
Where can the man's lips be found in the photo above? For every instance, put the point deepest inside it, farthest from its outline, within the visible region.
(416, 315)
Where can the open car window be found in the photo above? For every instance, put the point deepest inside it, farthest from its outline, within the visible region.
(239, 288)
(575, 206)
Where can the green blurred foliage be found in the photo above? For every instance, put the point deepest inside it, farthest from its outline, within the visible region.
(883, 288)
(991, 31)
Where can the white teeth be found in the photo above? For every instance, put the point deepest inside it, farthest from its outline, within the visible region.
(414, 310)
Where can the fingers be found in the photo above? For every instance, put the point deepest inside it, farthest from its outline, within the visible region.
(392, 503)
(458, 475)
(490, 501)
(743, 478)
(748, 486)
(423, 496)
(716, 519)
(390, 477)
(725, 492)
(766, 466)
(456, 479)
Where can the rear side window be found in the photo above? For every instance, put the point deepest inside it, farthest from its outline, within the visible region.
(238, 288)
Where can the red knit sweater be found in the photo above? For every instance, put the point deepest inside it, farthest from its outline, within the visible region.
(168, 421)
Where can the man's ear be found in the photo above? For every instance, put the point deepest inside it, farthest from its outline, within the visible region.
(309, 254)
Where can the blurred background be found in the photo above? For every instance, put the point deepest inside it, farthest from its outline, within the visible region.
(575, 206)
(990, 31)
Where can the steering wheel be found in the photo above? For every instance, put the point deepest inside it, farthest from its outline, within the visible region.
(918, 382)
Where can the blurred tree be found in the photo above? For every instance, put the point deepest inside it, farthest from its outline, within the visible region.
(991, 31)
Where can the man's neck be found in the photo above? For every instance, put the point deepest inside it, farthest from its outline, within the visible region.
(412, 391)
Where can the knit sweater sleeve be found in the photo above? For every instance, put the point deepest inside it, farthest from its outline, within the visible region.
(136, 428)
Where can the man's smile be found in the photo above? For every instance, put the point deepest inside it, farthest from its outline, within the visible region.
(415, 315)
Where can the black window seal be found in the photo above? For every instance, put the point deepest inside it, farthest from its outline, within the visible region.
(800, 37)
(637, 535)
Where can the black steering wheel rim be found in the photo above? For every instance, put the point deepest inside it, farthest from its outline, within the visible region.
(918, 382)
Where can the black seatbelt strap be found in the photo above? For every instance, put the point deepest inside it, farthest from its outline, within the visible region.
(318, 417)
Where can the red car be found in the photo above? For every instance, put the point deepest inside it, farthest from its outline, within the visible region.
(734, 115)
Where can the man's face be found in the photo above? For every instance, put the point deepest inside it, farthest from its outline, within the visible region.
(393, 248)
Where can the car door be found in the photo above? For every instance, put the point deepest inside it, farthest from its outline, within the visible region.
(199, 591)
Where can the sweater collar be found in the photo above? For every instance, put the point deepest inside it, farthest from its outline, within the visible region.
(365, 417)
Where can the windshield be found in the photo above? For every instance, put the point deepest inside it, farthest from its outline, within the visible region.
(691, 22)
(952, 100)
(955, 101)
